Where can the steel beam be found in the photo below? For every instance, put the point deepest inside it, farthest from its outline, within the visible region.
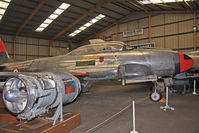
(150, 28)
(134, 4)
(25, 23)
(187, 4)
(30, 16)
(195, 34)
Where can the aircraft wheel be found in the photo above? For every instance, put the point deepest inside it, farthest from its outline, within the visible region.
(155, 96)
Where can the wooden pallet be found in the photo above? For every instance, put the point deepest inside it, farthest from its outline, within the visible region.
(40, 125)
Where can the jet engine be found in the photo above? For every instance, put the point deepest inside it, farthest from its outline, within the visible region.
(29, 96)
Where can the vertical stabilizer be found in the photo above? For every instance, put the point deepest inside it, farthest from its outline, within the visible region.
(3, 53)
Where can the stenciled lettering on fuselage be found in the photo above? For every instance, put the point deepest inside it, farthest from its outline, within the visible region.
(85, 63)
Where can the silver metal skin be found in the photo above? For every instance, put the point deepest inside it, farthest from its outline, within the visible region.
(103, 60)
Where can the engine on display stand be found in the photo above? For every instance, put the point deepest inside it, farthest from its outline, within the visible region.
(32, 95)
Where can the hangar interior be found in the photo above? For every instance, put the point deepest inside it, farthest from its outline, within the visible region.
(107, 106)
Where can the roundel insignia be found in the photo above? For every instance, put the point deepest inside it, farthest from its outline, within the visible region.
(15, 70)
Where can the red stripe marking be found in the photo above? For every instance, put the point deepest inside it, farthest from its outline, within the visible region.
(101, 59)
(81, 75)
(2, 47)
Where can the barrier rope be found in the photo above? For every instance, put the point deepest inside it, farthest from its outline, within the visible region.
(94, 128)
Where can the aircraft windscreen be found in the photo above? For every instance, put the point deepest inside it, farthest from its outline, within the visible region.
(97, 48)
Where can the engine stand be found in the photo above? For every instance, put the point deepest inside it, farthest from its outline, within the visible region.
(59, 111)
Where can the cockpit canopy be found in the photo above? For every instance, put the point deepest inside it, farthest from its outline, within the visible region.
(99, 47)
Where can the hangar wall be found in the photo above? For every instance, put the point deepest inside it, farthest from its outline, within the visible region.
(173, 31)
(33, 48)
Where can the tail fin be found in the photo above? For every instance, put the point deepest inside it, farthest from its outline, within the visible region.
(3, 53)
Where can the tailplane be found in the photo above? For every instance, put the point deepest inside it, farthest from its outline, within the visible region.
(4, 57)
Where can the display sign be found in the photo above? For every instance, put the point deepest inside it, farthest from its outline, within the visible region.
(143, 45)
(133, 32)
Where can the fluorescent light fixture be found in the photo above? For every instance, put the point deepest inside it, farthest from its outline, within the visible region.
(82, 28)
(3, 6)
(53, 16)
(88, 24)
(2, 11)
(160, 1)
(39, 29)
(64, 6)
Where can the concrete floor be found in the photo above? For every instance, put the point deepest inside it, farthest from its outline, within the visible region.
(107, 98)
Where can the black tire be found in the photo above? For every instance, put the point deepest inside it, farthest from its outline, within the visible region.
(155, 96)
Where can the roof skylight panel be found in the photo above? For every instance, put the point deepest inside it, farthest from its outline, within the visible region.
(53, 16)
(3, 6)
(86, 25)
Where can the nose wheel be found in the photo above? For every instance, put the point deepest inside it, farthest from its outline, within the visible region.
(155, 96)
(156, 90)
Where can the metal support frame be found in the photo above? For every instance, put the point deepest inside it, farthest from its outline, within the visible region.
(167, 84)
(150, 28)
(167, 107)
(59, 111)
(195, 33)
(25, 23)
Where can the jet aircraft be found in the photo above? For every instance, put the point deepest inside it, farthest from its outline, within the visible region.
(102, 60)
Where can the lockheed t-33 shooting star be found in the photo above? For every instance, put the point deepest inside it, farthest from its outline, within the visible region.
(99, 60)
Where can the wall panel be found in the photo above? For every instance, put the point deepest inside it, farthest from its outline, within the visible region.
(186, 41)
(32, 50)
(43, 50)
(21, 49)
(143, 23)
(186, 26)
(157, 20)
(157, 31)
(171, 41)
(159, 42)
(21, 58)
(171, 29)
